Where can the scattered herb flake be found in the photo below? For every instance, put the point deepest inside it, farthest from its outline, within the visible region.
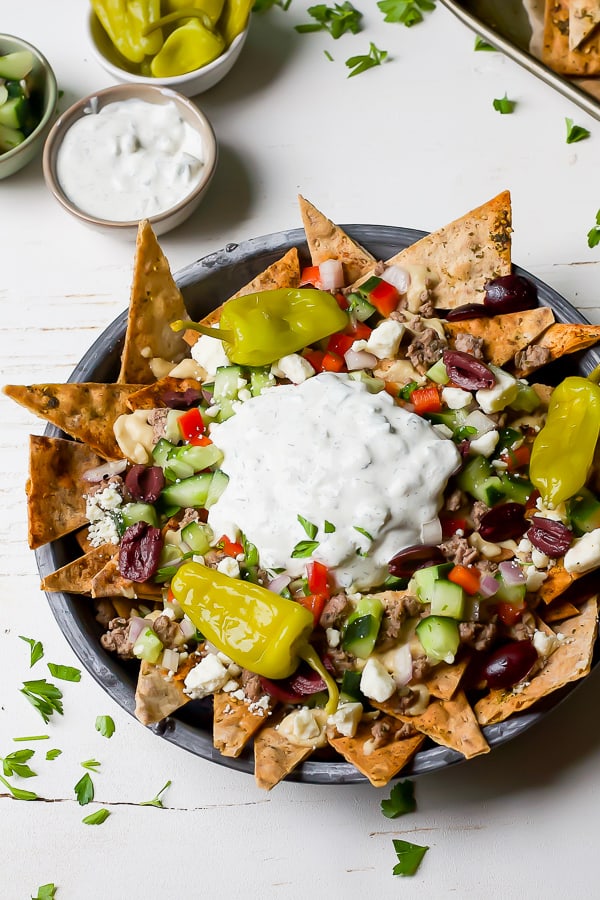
(105, 725)
(45, 892)
(52, 754)
(84, 790)
(405, 12)
(309, 528)
(36, 647)
(594, 233)
(328, 527)
(362, 531)
(156, 801)
(33, 737)
(91, 764)
(44, 696)
(504, 106)
(406, 391)
(264, 5)
(64, 673)
(401, 800)
(97, 818)
(250, 551)
(337, 20)
(409, 857)
(481, 44)
(16, 764)
(575, 132)
(359, 64)
(328, 55)
(304, 549)
(17, 793)
(464, 433)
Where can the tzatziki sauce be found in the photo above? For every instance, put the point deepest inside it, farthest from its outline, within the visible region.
(129, 160)
(366, 473)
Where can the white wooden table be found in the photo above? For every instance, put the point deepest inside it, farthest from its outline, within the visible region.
(415, 142)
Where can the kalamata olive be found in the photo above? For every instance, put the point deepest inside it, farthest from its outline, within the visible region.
(510, 293)
(501, 523)
(549, 536)
(468, 311)
(509, 664)
(405, 563)
(181, 399)
(290, 690)
(467, 372)
(139, 552)
(145, 483)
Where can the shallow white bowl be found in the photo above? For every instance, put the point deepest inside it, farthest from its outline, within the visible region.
(190, 84)
(164, 221)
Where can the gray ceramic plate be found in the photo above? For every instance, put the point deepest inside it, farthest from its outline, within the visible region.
(205, 284)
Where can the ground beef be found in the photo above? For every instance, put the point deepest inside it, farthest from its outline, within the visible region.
(426, 309)
(478, 511)
(421, 667)
(397, 610)
(384, 732)
(532, 357)
(477, 635)
(189, 515)
(455, 500)
(425, 349)
(457, 550)
(105, 611)
(168, 631)
(334, 611)
(96, 487)
(251, 685)
(524, 629)
(468, 343)
(338, 661)
(116, 639)
(213, 558)
(487, 566)
(157, 418)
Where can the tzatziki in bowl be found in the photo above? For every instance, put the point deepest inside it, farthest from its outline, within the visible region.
(131, 152)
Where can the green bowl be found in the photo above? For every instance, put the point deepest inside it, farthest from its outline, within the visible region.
(44, 81)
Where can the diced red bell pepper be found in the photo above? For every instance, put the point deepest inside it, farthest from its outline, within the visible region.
(311, 275)
(333, 362)
(315, 603)
(317, 577)
(229, 548)
(191, 426)
(516, 459)
(315, 358)
(509, 613)
(341, 301)
(385, 298)
(426, 399)
(359, 330)
(467, 577)
(340, 343)
(451, 524)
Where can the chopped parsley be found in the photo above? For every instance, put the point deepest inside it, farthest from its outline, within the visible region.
(337, 20)
(405, 12)
(405, 392)
(45, 892)
(43, 696)
(17, 793)
(97, 818)
(84, 790)
(362, 531)
(361, 63)
(105, 725)
(575, 132)
(594, 233)
(409, 857)
(91, 764)
(263, 5)
(481, 44)
(504, 106)
(401, 800)
(328, 527)
(36, 647)
(64, 673)
(309, 528)
(464, 433)
(16, 764)
(157, 801)
(304, 549)
(53, 754)
(33, 737)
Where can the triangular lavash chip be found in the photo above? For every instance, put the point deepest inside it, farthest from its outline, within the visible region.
(328, 241)
(110, 583)
(556, 583)
(234, 723)
(584, 16)
(465, 254)
(275, 757)
(560, 339)
(379, 764)
(569, 662)
(85, 411)
(152, 396)
(452, 724)
(505, 335)
(155, 302)
(557, 53)
(157, 696)
(445, 678)
(76, 577)
(55, 488)
(283, 273)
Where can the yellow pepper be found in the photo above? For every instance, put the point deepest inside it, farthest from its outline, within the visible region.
(234, 18)
(187, 48)
(256, 628)
(211, 8)
(127, 23)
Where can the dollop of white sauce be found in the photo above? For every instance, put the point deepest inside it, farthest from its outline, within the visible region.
(330, 451)
(129, 160)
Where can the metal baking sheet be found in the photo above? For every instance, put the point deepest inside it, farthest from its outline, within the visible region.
(505, 24)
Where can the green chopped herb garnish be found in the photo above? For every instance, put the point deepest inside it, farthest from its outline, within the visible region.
(33, 737)
(264, 5)
(405, 392)
(44, 696)
(97, 818)
(91, 764)
(105, 725)
(84, 790)
(328, 527)
(575, 132)
(304, 549)
(53, 754)
(374, 57)
(362, 531)
(250, 551)
(309, 528)
(65, 673)
(464, 433)
(481, 44)
(594, 233)
(504, 105)
(17, 793)
(409, 857)
(37, 649)
(337, 20)
(16, 764)
(406, 12)
(328, 55)
(401, 800)
(45, 892)
(156, 801)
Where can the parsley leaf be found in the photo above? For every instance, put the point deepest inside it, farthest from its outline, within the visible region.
(504, 106)
(44, 696)
(401, 800)
(17, 793)
(464, 433)
(304, 549)
(480, 44)
(156, 801)
(405, 392)
(45, 892)
(575, 132)
(409, 857)
(250, 551)
(33, 737)
(37, 649)
(97, 818)
(337, 20)
(52, 754)
(309, 528)
(374, 57)
(328, 527)
(263, 5)
(65, 673)
(594, 233)
(91, 764)
(362, 531)
(16, 764)
(406, 12)
(105, 725)
(84, 790)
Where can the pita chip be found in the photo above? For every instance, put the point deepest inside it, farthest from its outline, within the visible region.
(569, 662)
(567, 53)
(504, 335)
(109, 582)
(560, 339)
(152, 396)
(155, 302)
(76, 577)
(465, 254)
(55, 488)
(275, 757)
(328, 241)
(85, 411)
(155, 696)
(584, 16)
(444, 680)
(234, 723)
(452, 724)
(379, 764)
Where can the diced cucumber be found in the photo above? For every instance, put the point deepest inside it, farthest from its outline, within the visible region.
(191, 492)
(197, 536)
(510, 593)
(216, 488)
(148, 646)
(161, 452)
(3, 94)
(519, 490)
(10, 138)
(197, 457)
(423, 580)
(451, 418)
(372, 384)
(438, 373)
(172, 432)
(260, 378)
(350, 688)
(507, 437)
(139, 512)
(15, 113)
(584, 511)
(477, 479)
(359, 307)
(439, 637)
(17, 65)
(526, 399)
(227, 383)
(176, 469)
(369, 285)
(362, 627)
(448, 600)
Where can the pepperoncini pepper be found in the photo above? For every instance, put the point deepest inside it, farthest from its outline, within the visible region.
(563, 450)
(188, 47)
(211, 8)
(235, 18)
(127, 24)
(260, 328)
(256, 628)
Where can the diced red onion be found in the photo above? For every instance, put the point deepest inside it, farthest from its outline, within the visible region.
(401, 664)
(488, 586)
(188, 628)
(431, 532)
(170, 660)
(397, 276)
(511, 572)
(331, 275)
(136, 626)
(279, 583)
(105, 470)
(359, 359)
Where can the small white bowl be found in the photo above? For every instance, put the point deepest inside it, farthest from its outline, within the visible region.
(189, 112)
(190, 84)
